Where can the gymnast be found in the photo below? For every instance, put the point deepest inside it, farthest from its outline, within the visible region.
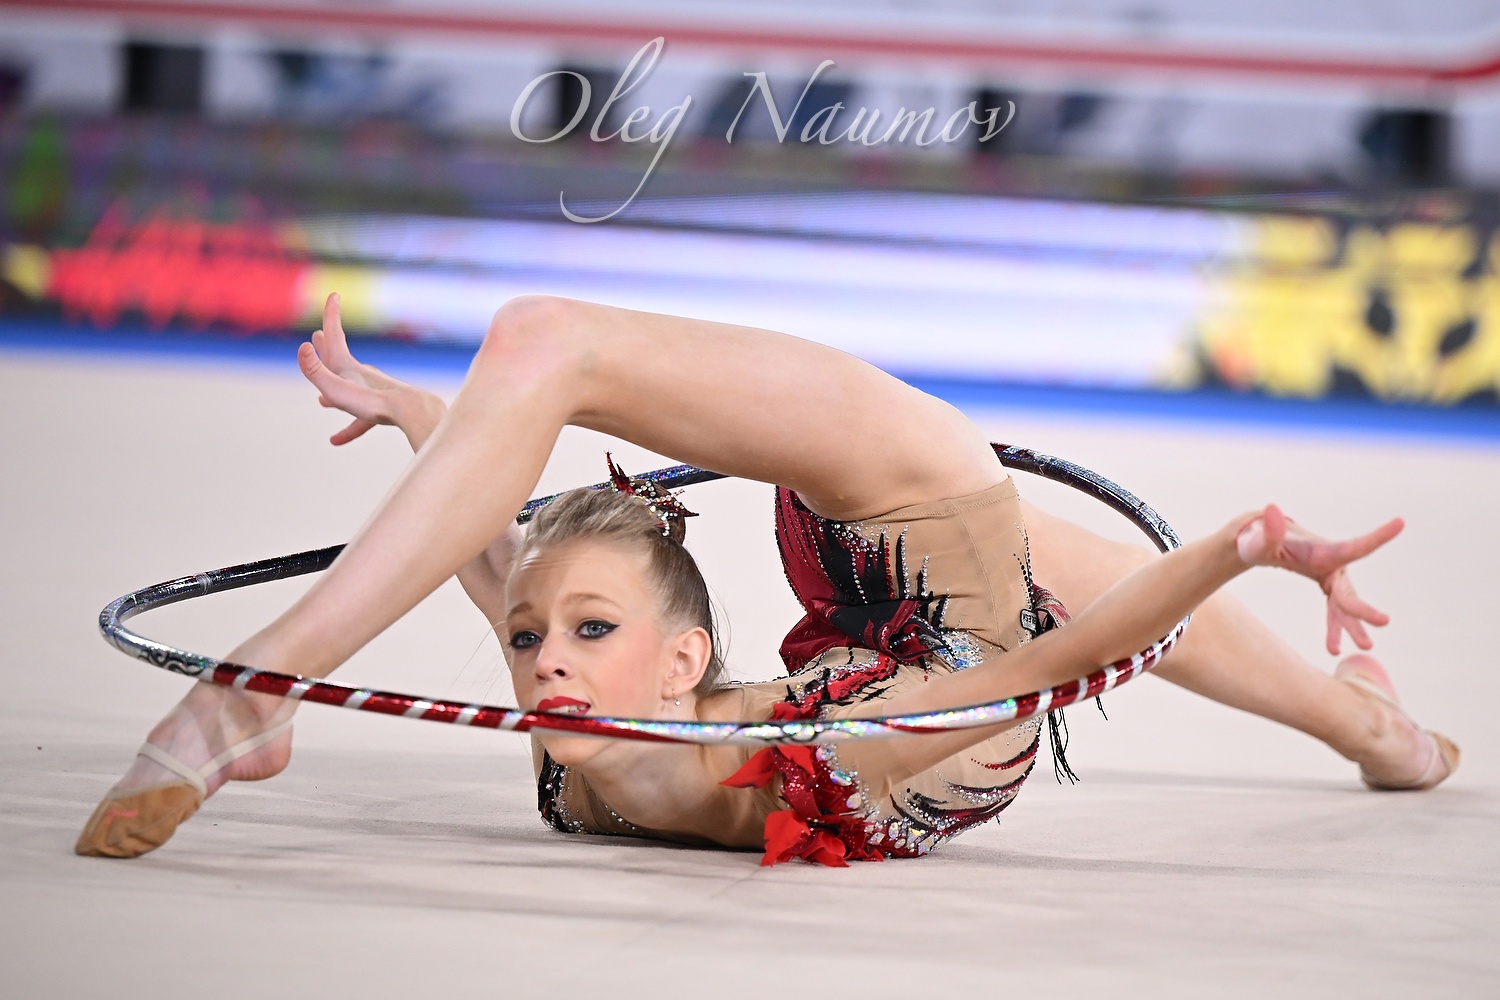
(902, 536)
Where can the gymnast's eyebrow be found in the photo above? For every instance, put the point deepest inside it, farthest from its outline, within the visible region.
(578, 598)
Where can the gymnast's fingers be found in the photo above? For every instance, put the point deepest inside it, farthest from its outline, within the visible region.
(1261, 539)
(1346, 607)
(1355, 606)
(345, 394)
(334, 346)
(1358, 548)
(333, 332)
(309, 361)
(313, 368)
(1334, 641)
(1358, 633)
(356, 428)
(1338, 624)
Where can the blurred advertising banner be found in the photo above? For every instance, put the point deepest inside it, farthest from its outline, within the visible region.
(949, 286)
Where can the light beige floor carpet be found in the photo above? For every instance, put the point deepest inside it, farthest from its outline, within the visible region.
(1204, 854)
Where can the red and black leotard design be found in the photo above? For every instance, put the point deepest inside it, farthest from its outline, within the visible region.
(872, 625)
(856, 591)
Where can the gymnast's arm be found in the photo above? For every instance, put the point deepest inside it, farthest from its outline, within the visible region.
(372, 397)
(1126, 619)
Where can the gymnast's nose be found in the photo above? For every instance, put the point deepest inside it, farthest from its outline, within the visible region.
(551, 661)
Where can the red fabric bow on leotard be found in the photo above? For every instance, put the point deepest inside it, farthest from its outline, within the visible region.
(819, 827)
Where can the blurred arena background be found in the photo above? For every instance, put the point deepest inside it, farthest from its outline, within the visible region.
(1222, 253)
(1287, 201)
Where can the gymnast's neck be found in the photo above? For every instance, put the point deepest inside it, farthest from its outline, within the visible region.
(673, 789)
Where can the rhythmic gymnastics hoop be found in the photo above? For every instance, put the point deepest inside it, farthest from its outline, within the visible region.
(760, 733)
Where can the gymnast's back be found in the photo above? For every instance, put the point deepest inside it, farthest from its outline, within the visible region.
(889, 601)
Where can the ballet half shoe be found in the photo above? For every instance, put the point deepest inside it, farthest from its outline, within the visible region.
(1442, 753)
(132, 823)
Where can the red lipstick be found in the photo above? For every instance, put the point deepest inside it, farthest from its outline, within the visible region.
(572, 705)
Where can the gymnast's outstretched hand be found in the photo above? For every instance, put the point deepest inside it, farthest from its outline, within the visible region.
(363, 391)
(1273, 539)
(372, 397)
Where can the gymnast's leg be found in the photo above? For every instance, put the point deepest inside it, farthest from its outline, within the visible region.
(753, 404)
(1230, 656)
(851, 439)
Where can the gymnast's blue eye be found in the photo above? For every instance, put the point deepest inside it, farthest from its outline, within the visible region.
(595, 629)
(524, 639)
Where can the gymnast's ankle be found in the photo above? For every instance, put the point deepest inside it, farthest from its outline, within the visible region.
(1380, 738)
(210, 720)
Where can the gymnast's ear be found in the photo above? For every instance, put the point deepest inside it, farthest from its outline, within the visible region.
(689, 653)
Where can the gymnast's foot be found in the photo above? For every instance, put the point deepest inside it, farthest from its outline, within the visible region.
(213, 736)
(1397, 754)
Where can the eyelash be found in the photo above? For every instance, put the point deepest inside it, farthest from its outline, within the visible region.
(608, 628)
(532, 638)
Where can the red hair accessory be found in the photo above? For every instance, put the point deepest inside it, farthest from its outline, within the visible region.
(663, 503)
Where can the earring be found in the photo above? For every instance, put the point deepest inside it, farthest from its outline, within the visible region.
(677, 701)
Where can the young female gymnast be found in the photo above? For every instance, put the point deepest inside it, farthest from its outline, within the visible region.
(901, 534)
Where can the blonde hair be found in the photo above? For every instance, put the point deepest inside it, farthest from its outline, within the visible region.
(611, 516)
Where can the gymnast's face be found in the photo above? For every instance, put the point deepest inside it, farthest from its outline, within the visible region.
(583, 633)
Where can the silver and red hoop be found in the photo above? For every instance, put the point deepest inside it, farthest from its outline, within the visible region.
(760, 733)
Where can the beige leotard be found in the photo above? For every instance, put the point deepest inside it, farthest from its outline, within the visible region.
(891, 601)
